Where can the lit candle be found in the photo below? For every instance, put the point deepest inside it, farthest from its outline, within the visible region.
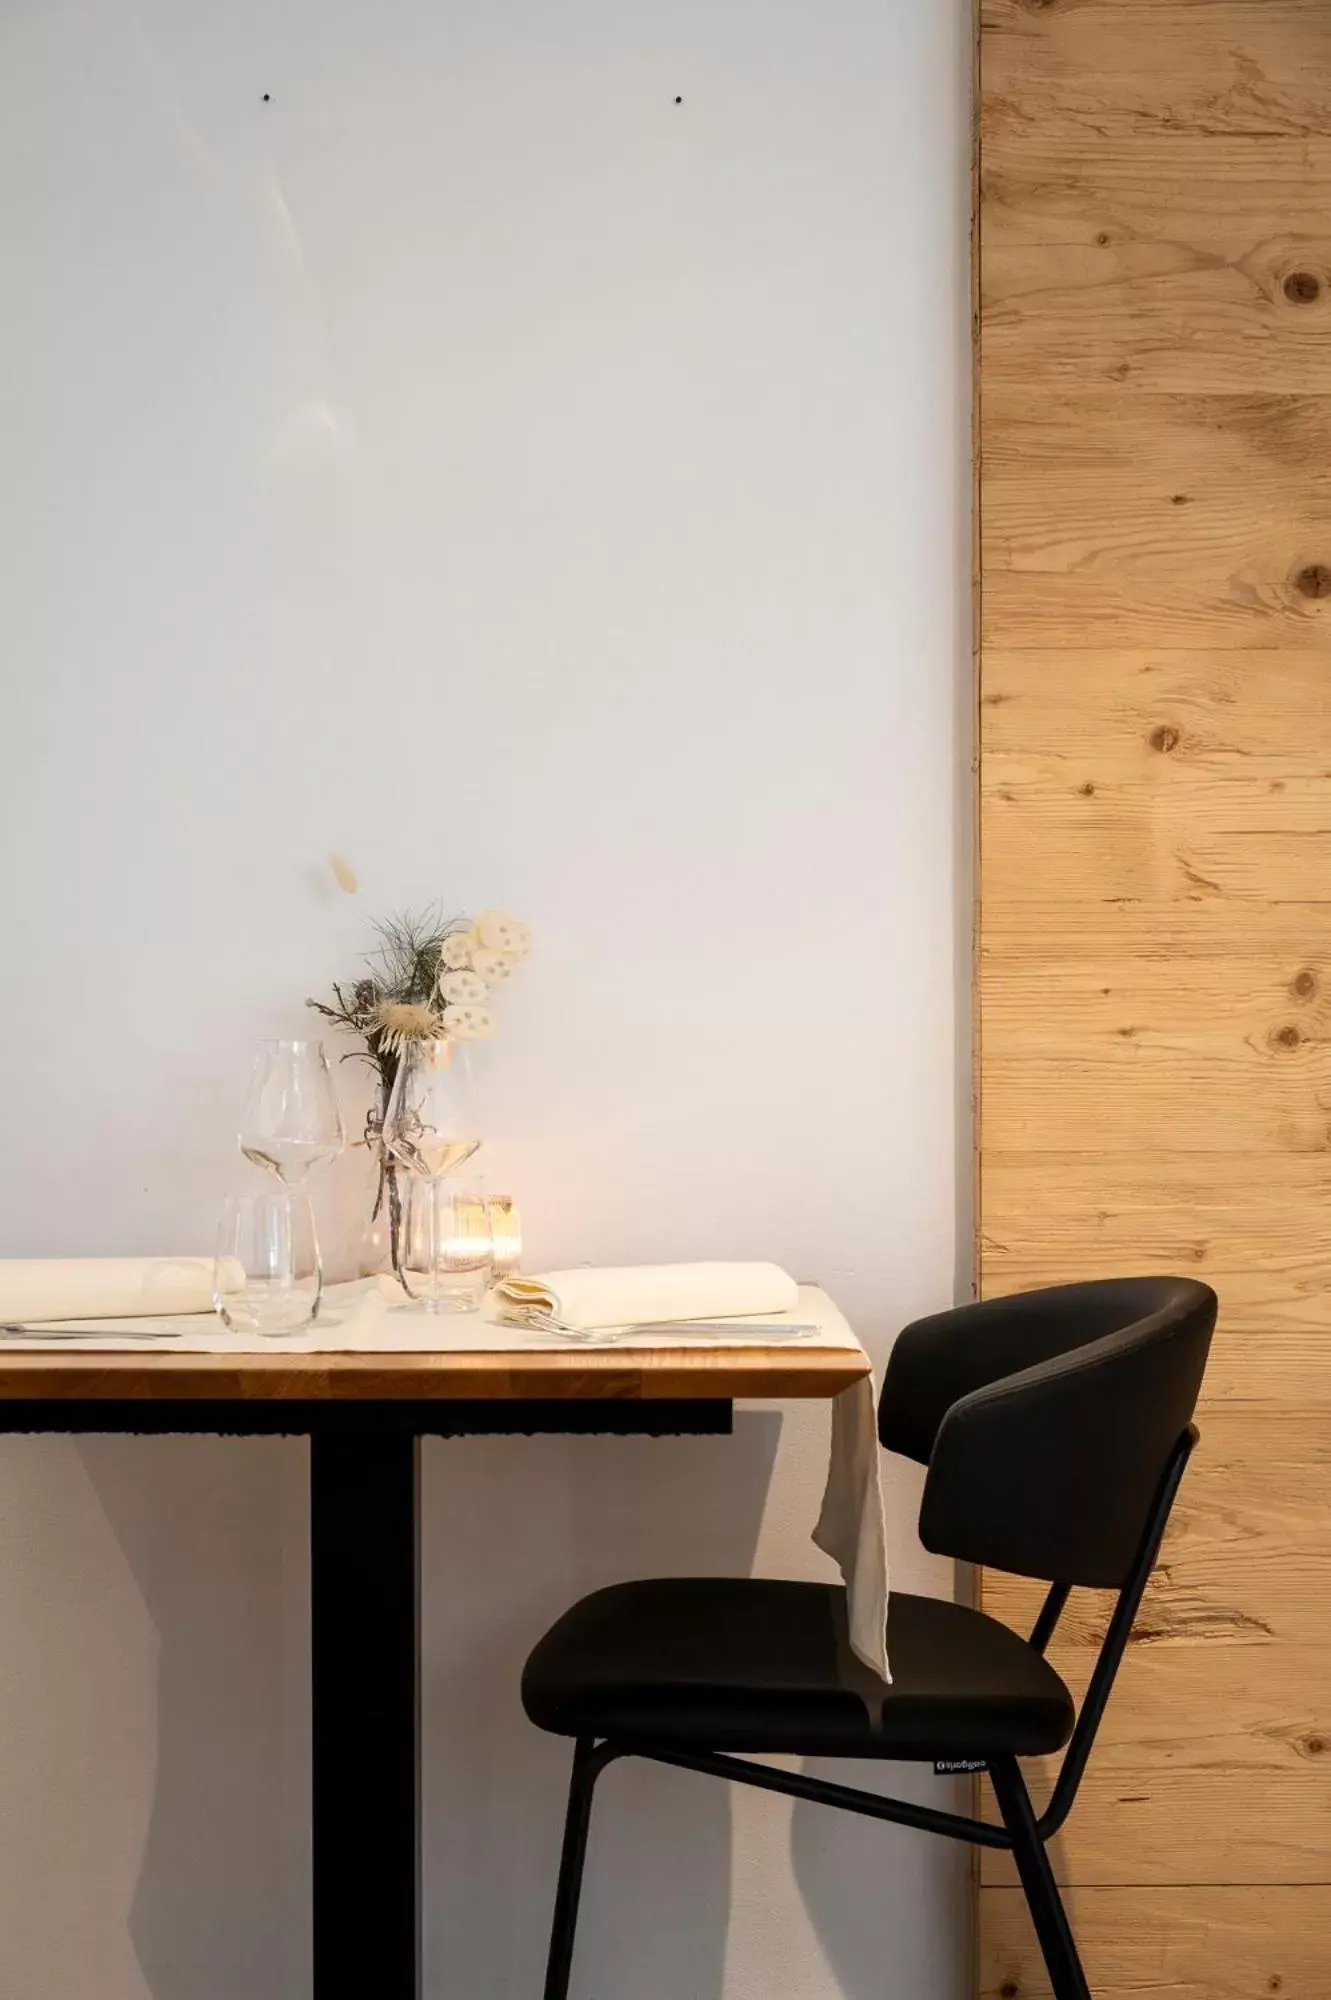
(505, 1233)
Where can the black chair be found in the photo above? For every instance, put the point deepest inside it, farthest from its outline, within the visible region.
(1055, 1427)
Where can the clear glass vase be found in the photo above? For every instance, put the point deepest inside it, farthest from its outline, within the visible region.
(424, 1117)
(380, 1239)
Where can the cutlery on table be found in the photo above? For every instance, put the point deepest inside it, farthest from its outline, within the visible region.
(536, 1320)
(13, 1330)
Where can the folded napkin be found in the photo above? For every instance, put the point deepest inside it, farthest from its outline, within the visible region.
(40, 1288)
(637, 1294)
(851, 1527)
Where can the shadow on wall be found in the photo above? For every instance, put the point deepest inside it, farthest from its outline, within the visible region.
(515, 1530)
(835, 1853)
(218, 1908)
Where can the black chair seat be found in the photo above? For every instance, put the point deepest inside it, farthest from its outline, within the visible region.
(748, 1664)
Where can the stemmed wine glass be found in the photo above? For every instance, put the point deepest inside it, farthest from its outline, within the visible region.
(430, 1124)
(291, 1123)
(269, 1270)
(444, 1252)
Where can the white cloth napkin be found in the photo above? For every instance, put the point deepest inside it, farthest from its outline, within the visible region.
(42, 1288)
(636, 1294)
(851, 1527)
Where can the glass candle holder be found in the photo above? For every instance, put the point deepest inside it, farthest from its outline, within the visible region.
(446, 1254)
(505, 1233)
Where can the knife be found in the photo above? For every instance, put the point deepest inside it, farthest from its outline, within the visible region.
(13, 1330)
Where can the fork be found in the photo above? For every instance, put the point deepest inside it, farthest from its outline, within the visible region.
(537, 1320)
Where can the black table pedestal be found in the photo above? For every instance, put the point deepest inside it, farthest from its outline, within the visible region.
(365, 1713)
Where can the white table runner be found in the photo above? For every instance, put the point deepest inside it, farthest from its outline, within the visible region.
(366, 1318)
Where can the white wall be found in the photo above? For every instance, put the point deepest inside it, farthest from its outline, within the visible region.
(549, 494)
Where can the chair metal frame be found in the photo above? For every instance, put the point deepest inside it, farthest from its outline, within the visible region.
(1022, 1833)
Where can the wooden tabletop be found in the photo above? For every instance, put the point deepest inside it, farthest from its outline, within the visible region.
(779, 1372)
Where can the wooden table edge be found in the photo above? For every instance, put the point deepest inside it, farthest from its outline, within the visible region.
(775, 1373)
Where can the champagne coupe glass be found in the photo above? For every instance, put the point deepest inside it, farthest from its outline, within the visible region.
(430, 1125)
(446, 1258)
(291, 1123)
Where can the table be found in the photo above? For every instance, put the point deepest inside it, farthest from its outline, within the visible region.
(364, 1415)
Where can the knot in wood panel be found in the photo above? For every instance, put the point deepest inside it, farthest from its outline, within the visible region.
(1302, 287)
(1313, 580)
(1287, 1037)
(1304, 985)
(1164, 739)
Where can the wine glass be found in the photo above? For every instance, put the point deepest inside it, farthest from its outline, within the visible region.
(268, 1276)
(430, 1124)
(446, 1252)
(291, 1124)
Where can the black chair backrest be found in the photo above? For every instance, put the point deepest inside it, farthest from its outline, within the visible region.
(1046, 1421)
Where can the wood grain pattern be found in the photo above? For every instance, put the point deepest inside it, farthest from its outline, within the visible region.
(748, 1371)
(1158, 933)
(1092, 70)
(1232, 714)
(1170, 272)
(1154, 965)
(1180, 520)
(1108, 1045)
(1266, 1248)
(1182, 1943)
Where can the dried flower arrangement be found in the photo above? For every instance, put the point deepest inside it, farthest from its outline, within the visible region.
(429, 980)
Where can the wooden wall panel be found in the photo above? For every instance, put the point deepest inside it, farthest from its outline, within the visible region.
(1171, 1944)
(1096, 70)
(1154, 985)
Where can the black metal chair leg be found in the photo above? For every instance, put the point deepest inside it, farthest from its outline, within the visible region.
(588, 1763)
(1037, 1879)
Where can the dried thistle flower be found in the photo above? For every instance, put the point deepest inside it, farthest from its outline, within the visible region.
(397, 1022)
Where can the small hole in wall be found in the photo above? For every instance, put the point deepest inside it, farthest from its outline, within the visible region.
(267, 97)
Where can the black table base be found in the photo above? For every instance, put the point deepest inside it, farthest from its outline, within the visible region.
(365, 1630)
(365, 1713)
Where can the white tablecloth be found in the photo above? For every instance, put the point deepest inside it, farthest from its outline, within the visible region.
(365, 1318)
